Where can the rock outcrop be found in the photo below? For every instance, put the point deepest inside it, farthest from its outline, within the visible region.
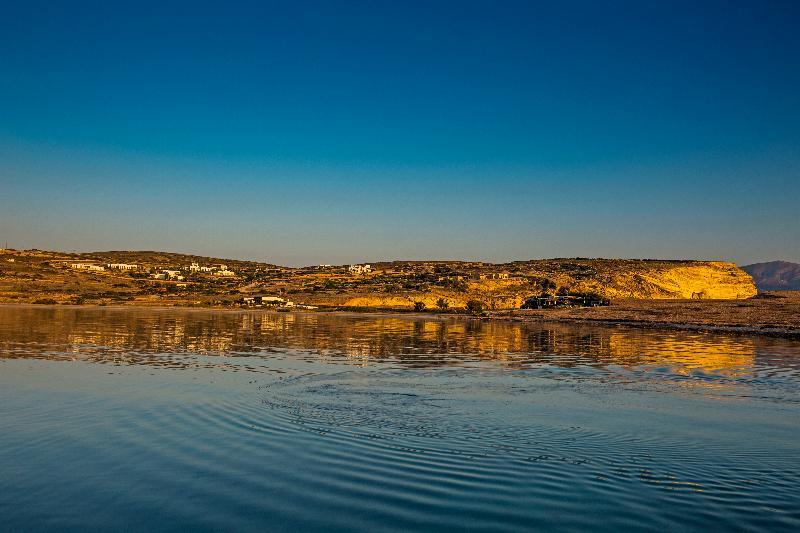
(612, 278)
(698, 279)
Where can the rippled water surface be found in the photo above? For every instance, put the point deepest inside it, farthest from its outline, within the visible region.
(190, 420)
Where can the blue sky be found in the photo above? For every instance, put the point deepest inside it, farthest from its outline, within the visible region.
(336, 132)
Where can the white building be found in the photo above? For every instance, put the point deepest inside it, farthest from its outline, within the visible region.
(493, 275)
(122, 266)
(173, 274)
(195, 267)
(257, 301)
(225, 273)
(88, 266)
(360, 269)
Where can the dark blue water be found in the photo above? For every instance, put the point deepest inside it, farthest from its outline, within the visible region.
(116, 419)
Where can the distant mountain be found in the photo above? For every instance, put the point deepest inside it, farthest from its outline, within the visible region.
(775, 275)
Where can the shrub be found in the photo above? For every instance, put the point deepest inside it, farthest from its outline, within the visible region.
(547, 284)
(419, 306)
(442, 304)
(475, 307)
(45, 301)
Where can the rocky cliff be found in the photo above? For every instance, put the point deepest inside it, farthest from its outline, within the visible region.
(613, 278)
(711, 280)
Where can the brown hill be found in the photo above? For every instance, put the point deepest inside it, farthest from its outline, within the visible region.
(32, 275)
(775, 275)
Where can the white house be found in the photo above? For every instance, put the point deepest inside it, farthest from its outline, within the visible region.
(195, 267)
(225, 273)
(122, 266)
(360, 269)
(88, 266)
(173, 274)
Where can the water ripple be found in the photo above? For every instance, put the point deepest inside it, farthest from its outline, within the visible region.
(117, 419)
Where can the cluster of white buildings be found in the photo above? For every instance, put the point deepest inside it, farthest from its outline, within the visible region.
(221, 270)
(360, 269)
(165, 274)
(94, 267)
(195, 267)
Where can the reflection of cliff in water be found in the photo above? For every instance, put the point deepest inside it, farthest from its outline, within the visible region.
(176, 337)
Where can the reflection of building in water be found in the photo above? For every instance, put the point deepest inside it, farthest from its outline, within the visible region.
(144, 336)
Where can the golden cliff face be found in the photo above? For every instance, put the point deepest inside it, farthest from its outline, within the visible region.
(611, 278)
(711, 280)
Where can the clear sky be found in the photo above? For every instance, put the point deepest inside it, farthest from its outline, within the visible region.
(305, 132)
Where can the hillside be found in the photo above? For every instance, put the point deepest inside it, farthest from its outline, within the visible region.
(158, 278)
(775, 275)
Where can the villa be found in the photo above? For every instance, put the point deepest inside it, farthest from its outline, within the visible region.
(360, 269)
(122, 266)
(88, 266)
(195, 267)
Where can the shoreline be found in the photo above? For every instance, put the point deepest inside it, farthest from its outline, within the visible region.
(775, 331)
(519, 316)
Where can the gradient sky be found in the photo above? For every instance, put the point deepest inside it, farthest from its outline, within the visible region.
(335, 132)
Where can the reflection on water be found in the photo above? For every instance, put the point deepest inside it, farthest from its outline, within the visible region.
(133, 336)
(170, 419)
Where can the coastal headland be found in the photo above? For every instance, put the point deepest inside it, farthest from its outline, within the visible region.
(671, 293)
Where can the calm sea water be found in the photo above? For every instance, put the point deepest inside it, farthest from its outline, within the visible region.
(200, 420)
